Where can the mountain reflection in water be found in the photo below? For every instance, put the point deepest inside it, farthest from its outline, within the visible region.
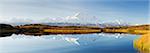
(88, 43)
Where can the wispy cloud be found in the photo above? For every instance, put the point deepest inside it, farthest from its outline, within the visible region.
(57, 10)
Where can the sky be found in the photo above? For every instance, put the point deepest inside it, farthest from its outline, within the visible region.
(89, 11)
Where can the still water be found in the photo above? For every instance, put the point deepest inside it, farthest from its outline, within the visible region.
(83, 43)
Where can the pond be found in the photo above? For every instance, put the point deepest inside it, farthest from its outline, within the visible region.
(81, 43)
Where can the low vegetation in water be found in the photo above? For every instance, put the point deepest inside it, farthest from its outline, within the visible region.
(143, 43)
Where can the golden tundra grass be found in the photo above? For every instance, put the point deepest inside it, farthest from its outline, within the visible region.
(70, 31)
(143, 43)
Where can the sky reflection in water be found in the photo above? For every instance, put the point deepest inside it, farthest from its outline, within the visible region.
(88, 43)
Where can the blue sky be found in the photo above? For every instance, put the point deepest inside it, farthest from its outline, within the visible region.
(91, 11)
